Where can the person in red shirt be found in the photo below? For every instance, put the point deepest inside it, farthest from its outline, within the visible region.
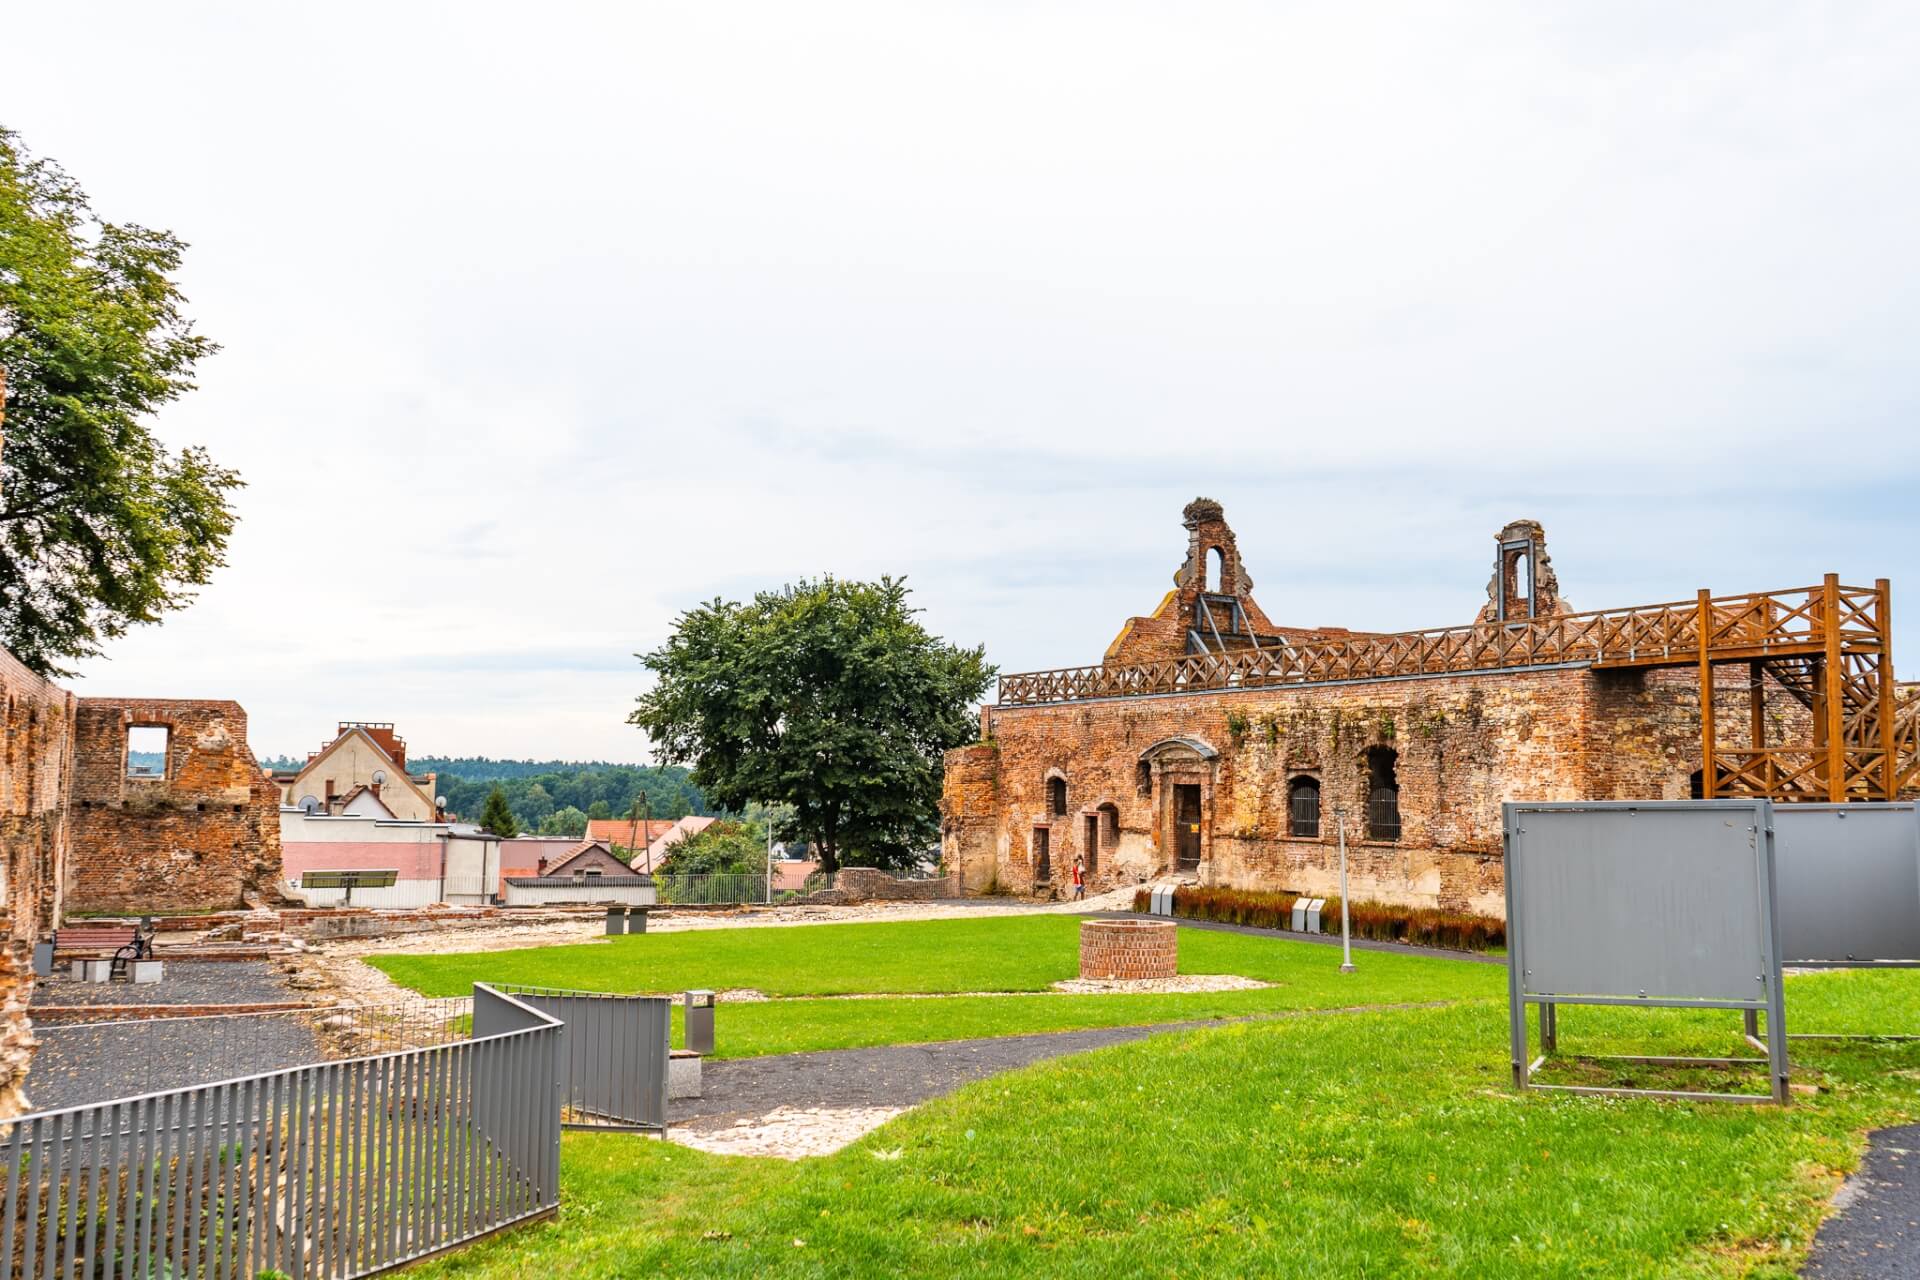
(1079, 877)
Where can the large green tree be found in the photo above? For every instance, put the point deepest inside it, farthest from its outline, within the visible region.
(827, 696)
(101, 526)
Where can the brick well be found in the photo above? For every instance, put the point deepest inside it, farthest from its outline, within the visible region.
(1128, 950)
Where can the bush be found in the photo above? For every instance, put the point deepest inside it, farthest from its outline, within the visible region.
(1380, 921)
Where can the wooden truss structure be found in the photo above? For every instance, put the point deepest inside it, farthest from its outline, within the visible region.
(1829, 647)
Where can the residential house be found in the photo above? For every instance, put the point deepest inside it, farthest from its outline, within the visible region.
(363, 770)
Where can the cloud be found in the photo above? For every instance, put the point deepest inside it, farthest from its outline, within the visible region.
(538, 330)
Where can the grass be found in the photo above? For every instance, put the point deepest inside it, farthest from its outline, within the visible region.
(1371, 1144)
(995, 953)
(1019, 955)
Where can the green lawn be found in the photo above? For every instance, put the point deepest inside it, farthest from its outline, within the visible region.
(993, 953)
(1008, 953)
(1374, 1144)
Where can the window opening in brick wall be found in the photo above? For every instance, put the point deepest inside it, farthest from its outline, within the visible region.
(1090, 851)
(1057, 796)
(147, 751)
(1216, 569)
(1383, 794)
(1143, 778)
(1109, 827)
(1042, 858)
(1303, 808)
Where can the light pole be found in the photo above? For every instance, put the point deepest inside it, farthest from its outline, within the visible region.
(1346, 931)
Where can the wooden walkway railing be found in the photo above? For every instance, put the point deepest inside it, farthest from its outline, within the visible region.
(1829, 644)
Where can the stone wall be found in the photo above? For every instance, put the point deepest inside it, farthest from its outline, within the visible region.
(1459, 745)
(35, 775)
(206, 835)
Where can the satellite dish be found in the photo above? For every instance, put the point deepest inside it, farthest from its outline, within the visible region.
(309, 804)
(379, 777)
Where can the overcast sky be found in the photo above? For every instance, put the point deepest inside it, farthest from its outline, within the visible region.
(543, 322)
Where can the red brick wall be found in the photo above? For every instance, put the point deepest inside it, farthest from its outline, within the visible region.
(36, 762)
(1464, 745)
(205, 836)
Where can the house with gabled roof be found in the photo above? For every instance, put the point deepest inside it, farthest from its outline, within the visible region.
(364, 766)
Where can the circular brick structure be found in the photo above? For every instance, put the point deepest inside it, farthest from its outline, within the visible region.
(1128, 950)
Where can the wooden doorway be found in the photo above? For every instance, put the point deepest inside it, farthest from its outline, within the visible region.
(1186, 824)
(1042, 857)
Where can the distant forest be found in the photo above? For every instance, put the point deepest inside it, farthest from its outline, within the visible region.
(540, 792)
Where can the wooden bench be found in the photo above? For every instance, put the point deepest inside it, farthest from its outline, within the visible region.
(120, 942)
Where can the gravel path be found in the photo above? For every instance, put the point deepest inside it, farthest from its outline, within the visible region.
(225, 982)
(94, 1062)
(807, 1104)
(1876, 1234)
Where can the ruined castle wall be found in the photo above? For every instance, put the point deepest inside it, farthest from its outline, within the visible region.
(1462, 746)
(35, 774)
(204, 836)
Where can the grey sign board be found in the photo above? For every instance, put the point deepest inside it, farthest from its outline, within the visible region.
(1849, 879)
(1642, 900)
(1659, 903)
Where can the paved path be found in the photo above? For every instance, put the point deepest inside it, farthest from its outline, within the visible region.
(904, 1075)
(899, 1075)
(1876, 1234)
(93, 1062)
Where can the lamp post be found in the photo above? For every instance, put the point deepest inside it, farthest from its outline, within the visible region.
(1346, 932)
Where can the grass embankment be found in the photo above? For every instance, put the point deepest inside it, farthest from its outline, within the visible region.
(1011, 954)
(1378, 1144)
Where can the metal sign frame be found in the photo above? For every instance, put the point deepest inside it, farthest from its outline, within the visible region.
(1825, 885)
(1746, 908)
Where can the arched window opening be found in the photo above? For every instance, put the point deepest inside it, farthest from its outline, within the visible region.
(1520, 577)
(1383, 794)
(1303, 808)
(1057, 796)
(1216, 569)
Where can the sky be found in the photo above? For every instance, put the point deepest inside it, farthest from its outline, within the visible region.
(543, 323)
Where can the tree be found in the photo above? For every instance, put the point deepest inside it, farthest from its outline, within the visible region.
(564, 822)
(725, 847)
(599, 811)
(535, 806)
(828, 696)
(497, 818)
(101, 527)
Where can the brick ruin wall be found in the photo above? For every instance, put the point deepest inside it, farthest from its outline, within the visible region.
(204, 836)
(35, 774)
(1463, 745)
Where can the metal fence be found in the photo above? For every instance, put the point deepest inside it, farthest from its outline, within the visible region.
(711, 890)
(339, 1169)
(613, 1064)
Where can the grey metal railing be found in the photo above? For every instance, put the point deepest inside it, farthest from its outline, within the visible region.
(339, 1169)
(711, 890)
(613, 1067)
